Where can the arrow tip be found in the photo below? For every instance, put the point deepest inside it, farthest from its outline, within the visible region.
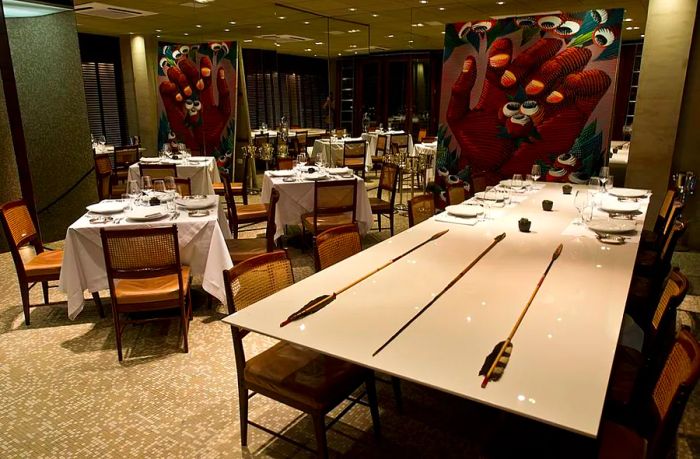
(558, 251)
(500, 237)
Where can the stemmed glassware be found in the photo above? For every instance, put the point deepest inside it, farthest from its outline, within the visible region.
(301, 159)
(581, 202)
(171, 190)
(133, 190)
(604, 176)
(146, 183)
(536, 172)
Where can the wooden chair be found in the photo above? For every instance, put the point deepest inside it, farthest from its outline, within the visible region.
(158, 171)
(236, 188)
(300, 378)
(145, 275)
(387, 182)
(246, 214)
(300, 141)
(336, 244)
(335, 204)
(669, 208)
(662, 412)
(379, 152)
(402, 141)
(632, 367)
(242, 249)
(106, 186)
(44, 266)
(455, 194)
(183, 186)
(422, 133)
(123, 158)
(285, 163)
(420, 208)
(354, 156)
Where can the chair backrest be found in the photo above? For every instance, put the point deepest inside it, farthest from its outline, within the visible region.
(334, 197)
(671, 392)
(422, 132)
(336, 244)
(381, 144)
(183, 186)
(354, 153)
(401, 140)
(665, 210)
(271, 228)
(19, 231)
(420, 208)
(125, 156)
(455, 194)
(158, 171)
(103, 174)
(679, 227)
(300, 141)
(230, 201)
(388, 179)
(479, 183)
(285, 163)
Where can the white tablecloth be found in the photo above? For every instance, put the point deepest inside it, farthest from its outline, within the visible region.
(201, 174)
(371, 137)
(297, 198)
(202, 248)
(333, 151)
(427, 149)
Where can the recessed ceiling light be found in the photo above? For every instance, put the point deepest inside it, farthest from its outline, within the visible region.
(158, 30)
(277, 44)
(227, 30)
(642, 35)
(248, 41)
(203, 1)
(352, 9)
(315, 55)
(628, 28)
(423, 2)
(185, 33)
(282, 17)
(636, 27)
(157, 36)
(375, 15)
(500, 3)
(390, 36)
(340, 54)
(628, 19)
(131, 33)
(410, 41)
(308, 50)
(306, 22)
(199, 26)
(442, 8)
(353, 46)
(319, 42)
(443, 32)
(232, 22)
(355, 52)
(258, 27)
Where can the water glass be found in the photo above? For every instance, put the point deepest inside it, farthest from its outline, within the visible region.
(581, 202)
(301, 159)
(517, 181)
(609, 183)
(528, 181)
(536, 172)
(126, 198)
(146, 183)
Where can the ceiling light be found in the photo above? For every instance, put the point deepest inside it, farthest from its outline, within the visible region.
(315, 55)
(352, 9)
(628, 28)
(258, 27)
(375, 15)
(500, 3)
(308, 50)
(185, 33)
(232, 22)
(353, 30)
(353, 46)
(423, 2)
(277, 44)
(203, 2)
(390, 36)
(642, 35)
(319, 42)
(282, 17)
(628, 19)
(442, 8)
(199, 26)
(131, 33)
(410, 41)
(158, 30)
(227, 30)
(443, 32)
(636, 27)
(306, 22)
(248, 41)
(157, 36)
(340, 54)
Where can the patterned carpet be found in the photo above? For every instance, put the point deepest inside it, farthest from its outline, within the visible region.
(64, 394)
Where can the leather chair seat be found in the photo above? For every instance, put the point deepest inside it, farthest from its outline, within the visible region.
(325, 222)
(242, 249)
(46, 263)
(305, 376)
(151, 290)
(379, 205)
(620, 442)
(623, 379)
(251, 212)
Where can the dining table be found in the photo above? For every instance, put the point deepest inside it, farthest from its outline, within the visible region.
(563, 350)
(331, 150)
(201, 170)
(201, 239)
(371, 138)
(297, 198)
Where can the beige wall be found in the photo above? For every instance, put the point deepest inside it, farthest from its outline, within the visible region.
(669, 31)
(139, 61)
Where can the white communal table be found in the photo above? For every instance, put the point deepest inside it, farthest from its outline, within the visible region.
(563, 351)
(371, 137)
(332, 151)
(202, 248)
(202, 172)
(297, 198)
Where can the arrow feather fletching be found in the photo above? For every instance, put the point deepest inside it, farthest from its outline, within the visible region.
(502, 361)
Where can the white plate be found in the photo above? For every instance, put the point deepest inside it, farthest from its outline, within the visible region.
(466, 211)
(107, 207)
(498, 197)
(339, 170)
(172, 161)
(144, 214)
(617, 207)
(198, 159)
(283, 173)
(150, 160)
(612, 226)
(196, 202)
(316, 176)
(629, 193)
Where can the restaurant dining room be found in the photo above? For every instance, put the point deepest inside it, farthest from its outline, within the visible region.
(349, 228)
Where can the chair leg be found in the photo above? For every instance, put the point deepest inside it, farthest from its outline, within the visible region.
(24, 292)
(98, 304)
(245, 199)
(45, 289)
(373, 406)
(185, 323)
(243, 413)
(118, 334)
(396, 385)
(391, 222)
(320, 430)
(379, 222)
(235, 232)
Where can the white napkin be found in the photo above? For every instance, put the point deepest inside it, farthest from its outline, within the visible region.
(444, 217)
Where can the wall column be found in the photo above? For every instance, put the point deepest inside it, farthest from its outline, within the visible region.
(668, 37)
(143, 67)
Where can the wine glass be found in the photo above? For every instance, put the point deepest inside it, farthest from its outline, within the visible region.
(517, 181)
(580, 202)
(609, 183)
(604, 174)
(159, 186)
(301, 159)
(536, 172)
(146, 183)
(133, 190)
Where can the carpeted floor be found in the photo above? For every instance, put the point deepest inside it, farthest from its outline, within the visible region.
(64, 394)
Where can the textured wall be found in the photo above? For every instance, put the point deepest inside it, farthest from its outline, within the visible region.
(46, 59)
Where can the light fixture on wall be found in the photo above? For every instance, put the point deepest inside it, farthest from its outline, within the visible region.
(28, 9)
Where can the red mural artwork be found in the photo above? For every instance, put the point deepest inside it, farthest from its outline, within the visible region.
(528, 92)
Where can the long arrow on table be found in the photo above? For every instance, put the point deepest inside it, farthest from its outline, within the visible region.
(497, 360)
(496, 240)
(324, 300)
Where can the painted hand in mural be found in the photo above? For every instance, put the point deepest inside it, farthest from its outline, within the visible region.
(530, 108)
(199, 123)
